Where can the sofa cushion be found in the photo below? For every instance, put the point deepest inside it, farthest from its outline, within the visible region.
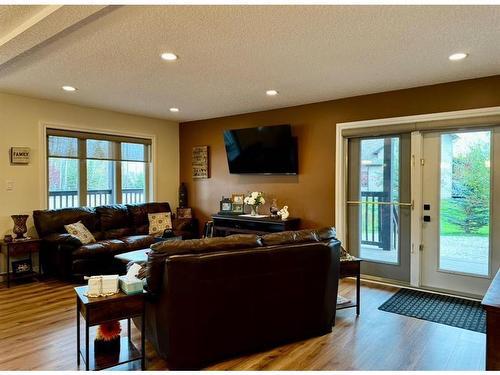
(138, 241)
(326, 233)
(115, 221)
(280, 238)
(207, 245)
(53, 221)
(81, 232)
(101, 248)
(162, 250)
(299, 236)
(159, 222)
(139, 214)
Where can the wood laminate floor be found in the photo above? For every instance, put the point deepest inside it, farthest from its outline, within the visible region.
(38, 332)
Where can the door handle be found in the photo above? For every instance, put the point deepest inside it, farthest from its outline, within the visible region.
(404, 204)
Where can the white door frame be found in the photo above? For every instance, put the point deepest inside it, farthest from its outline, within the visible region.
(416, 174)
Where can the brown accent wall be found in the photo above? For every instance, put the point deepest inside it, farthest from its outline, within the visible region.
(310, 194)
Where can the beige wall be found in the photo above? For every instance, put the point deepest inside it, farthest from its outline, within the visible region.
(310, 195)
(20, 119)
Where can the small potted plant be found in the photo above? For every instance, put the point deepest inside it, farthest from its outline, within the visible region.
(254, 200)
(107, 340)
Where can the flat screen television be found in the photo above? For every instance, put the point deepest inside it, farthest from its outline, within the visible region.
(261, 150)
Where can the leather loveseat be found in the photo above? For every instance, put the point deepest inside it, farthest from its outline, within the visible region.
(116, 228)
(214, 298)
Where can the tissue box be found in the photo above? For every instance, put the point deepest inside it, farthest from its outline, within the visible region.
(131, 285)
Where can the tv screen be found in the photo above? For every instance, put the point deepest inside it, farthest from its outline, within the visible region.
(262, 150)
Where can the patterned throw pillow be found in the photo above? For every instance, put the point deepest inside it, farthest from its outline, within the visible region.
(81, 232)
(159, 222)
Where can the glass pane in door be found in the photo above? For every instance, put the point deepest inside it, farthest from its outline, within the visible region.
(465, 202)
(379, 186)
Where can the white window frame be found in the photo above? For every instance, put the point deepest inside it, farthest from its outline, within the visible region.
(340, 208)
(152, 183)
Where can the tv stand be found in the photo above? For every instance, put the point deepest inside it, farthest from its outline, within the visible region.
(225, 225)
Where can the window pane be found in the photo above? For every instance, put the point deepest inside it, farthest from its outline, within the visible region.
(100, 182)
(465, 202)
(63, 146)
(99, 149)
(379, 182)
(133, 182)
(63, 183)
(134, 152)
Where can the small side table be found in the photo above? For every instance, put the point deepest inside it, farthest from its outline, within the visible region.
(21, 247)
(104, 309)
(351, 268)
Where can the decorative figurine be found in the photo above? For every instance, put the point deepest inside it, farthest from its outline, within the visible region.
(284, 213)
(107, 340)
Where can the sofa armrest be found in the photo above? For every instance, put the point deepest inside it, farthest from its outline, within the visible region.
(63, 239)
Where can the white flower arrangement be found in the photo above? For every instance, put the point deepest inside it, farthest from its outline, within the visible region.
(255, 199)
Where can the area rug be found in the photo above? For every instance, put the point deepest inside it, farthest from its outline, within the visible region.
(452, 311)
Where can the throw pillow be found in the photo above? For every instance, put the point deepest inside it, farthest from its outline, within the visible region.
(81, 232)
(159, 222)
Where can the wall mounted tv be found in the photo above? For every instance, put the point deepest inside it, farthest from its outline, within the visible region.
(262, 150)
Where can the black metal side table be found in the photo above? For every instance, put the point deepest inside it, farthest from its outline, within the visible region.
(100, 310)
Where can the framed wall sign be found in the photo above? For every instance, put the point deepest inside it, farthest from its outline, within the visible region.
(200, 162)
(20, 155)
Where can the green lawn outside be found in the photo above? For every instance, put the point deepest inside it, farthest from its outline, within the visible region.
(449, 229)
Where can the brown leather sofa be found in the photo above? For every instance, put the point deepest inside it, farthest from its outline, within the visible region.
(116, 228)
(214, 298)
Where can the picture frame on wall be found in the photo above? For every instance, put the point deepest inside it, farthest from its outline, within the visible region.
(199, 162)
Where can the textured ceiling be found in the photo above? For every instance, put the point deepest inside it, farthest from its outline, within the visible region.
(230, 55)
(14, 15)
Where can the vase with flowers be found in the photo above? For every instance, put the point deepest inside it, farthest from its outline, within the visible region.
(254, 200)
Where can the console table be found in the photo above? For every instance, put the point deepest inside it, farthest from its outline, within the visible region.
(225, 225)
(491, 303)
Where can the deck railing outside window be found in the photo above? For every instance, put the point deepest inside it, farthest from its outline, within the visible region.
(65, 199)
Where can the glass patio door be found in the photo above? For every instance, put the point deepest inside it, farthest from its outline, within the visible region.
(460, 222)
(379, 205)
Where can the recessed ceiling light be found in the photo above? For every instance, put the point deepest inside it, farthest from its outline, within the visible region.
(173, 109)
(272, 92)
(169, 56)
(69, 88)
(458, 56)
